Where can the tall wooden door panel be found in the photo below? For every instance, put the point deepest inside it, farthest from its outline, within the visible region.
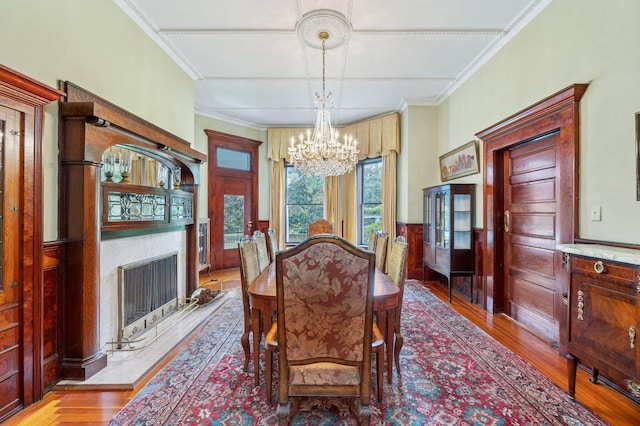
(11, 368)
(232, 220)
(530, 236)
(233, 195)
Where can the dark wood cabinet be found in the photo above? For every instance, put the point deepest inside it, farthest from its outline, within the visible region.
(603, 318)
(449, 215)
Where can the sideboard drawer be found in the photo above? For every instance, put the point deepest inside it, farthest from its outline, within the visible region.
(608, 270)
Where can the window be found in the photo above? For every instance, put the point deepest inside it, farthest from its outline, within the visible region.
(369, 187)
(304, 203)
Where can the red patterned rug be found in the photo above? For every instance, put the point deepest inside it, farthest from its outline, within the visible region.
(452, 374)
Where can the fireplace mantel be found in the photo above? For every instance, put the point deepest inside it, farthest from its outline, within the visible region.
(88, 126)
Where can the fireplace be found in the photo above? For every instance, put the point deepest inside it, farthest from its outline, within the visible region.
(147, 294)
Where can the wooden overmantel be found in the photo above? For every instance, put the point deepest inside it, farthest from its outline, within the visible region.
(89, 125)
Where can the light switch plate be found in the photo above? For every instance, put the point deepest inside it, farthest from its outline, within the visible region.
(596, 213)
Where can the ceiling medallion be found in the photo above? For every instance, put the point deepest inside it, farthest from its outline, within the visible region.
(323, 20)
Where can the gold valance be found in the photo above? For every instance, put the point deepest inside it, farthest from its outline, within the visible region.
(376, 136)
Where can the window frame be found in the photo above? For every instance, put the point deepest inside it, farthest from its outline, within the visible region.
(360, 197)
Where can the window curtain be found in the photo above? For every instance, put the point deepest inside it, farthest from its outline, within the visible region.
(377, 137)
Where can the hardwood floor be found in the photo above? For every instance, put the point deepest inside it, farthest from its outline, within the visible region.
(97, 407)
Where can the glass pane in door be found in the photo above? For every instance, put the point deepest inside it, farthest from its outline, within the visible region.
(233, 220)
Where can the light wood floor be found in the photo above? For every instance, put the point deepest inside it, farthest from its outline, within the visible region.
(97, 408)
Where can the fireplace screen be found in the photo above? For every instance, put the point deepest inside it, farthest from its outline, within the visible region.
(148, 294)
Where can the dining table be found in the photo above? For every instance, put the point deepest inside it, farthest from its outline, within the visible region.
(262, 298)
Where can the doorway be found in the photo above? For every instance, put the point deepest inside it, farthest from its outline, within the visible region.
(530, 204)
(233, 195)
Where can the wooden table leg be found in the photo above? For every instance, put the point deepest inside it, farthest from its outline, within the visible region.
(257, 335)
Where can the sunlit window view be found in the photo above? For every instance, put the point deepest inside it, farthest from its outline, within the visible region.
(304, 203)
(369, 198)
(233, 220)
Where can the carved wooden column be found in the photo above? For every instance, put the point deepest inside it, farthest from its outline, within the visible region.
(79, 227)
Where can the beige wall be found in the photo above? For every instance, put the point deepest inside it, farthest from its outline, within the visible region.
(586, 41)
(96, 46)
(418, 160)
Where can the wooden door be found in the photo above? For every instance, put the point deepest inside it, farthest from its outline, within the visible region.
(232, 220)
(233, 195)
(530, 235)
(11, 326)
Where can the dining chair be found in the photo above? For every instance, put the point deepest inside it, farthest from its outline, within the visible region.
(373, 239)
(273, 244)
(320, 226)
(381, 250)
(263, 253)
(397, 266)
(324, 294)
(249, 271)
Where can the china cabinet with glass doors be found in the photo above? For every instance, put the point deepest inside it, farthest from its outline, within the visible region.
(449, 212)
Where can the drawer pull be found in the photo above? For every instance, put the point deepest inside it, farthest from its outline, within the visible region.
(580, 305)
(598, 267)
(632, 337)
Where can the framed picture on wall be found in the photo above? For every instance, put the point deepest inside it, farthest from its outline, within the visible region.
(638, 156)
(460, 162)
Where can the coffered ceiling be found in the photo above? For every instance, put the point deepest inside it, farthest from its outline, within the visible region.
(252, 67)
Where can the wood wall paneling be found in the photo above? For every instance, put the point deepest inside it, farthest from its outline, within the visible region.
(52, 282)
(413, 234)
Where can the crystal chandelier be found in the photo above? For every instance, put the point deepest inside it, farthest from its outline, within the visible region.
(323, 153)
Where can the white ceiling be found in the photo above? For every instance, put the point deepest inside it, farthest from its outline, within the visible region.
(250, 67)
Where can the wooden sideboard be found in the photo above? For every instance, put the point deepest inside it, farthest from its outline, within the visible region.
(603, 324)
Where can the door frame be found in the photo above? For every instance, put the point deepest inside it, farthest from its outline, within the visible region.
(216, 139)
(561, 112)
(28, 97)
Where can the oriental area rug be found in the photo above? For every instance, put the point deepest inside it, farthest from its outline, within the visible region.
(452, 374)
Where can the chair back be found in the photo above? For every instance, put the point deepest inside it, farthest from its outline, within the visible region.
(273, 244)
(397, 267)
(373, 239)
(320, 226)
(324, 292)
(382, 241)
(249, 269)
(263, 253)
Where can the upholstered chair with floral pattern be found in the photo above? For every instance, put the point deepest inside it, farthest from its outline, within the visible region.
(320, 226)
(324, 293)
(263, 253)
(397, 266)
(273, 244)
(381, 250)
(249, 271)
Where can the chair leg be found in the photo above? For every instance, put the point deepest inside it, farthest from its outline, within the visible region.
(267, 373)
(244, 340)
(283, 412)
(396, 355)
(380, 374)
